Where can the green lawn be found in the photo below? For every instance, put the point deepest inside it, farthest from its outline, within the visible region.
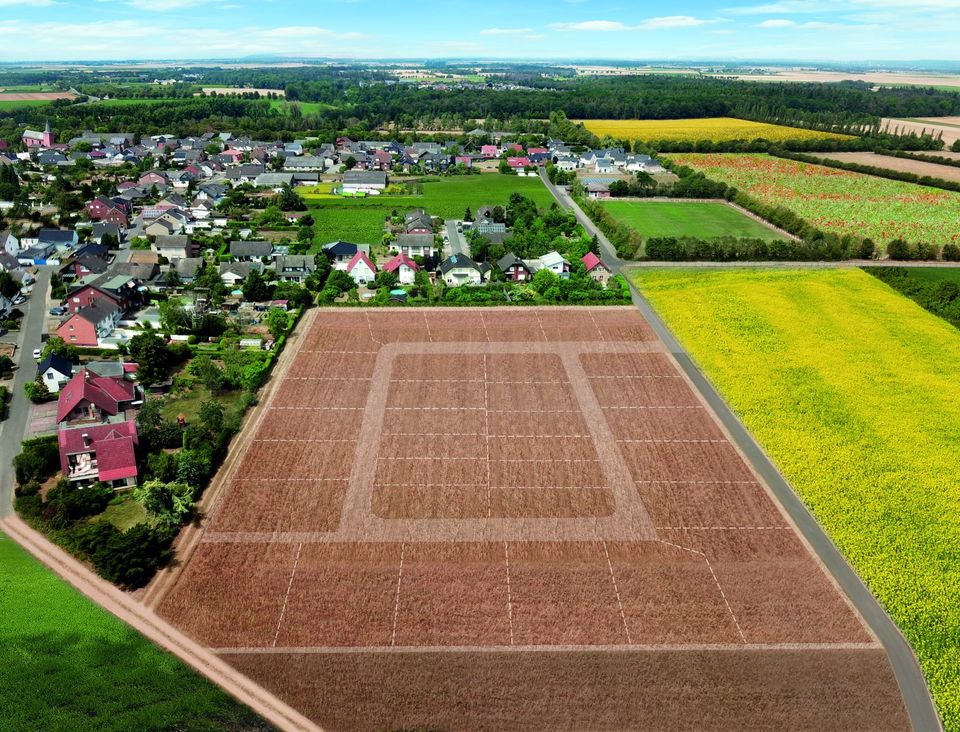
(123, 512)
(282, 105)
(66, 664)
(188, 402)
(850, 388)
(361, 219)
(134, 102)
(702, 220)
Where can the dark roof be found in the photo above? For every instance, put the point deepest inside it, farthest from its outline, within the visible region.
(251, 248)
(340, 249)
(458, 261)
(509, 261)
(99, 310)
(58, 363)
(56, 235)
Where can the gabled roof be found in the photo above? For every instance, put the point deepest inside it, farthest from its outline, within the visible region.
(251, 248)
(399, 261)
(552, 258)
(509, 261)
(591, 261)
(341, 248)
(113, 444)
(105, 392)
(56, 362)
(361, 257)
(458, 261)
(98, 311)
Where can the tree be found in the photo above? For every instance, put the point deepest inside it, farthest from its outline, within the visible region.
(168, 503)
(211, 417)
(468, 214)
(543, 280)
(131, 558)
(210, 375)
(174, 316)
(56, 345)
(36, 391)
(385, 280)
(350, 163)
(9, 287)
(646, 181)
(278, 321)
(152, 354)
(289, 200)
(255, 288)
(193, 467)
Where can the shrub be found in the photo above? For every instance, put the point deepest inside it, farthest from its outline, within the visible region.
(131, 558)
(39, 459)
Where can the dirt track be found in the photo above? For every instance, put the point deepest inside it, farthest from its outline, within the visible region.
(903, 165)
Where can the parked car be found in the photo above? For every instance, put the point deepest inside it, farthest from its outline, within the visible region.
(19, 299)
(36, 354)
(58, 311)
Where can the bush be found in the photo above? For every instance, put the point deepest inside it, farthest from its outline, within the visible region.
(899, 249)
(37, 392)
(39, 459)
(951, 252)
(131, 558)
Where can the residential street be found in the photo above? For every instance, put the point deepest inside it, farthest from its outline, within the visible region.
(458, 242)
(13, 428)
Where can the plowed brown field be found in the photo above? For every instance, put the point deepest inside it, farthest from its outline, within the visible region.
(516, 519)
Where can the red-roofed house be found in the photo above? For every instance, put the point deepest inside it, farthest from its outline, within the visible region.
(361, 269)
(87, 296)
(596, 270)
(89, 396)
(519, 162)
(86, 327)
(490, 151)
(106, 453)
(404, 267)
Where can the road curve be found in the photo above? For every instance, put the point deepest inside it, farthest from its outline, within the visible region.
(916, 696)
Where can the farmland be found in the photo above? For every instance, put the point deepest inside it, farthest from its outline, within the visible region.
(843, 382)
(837, 200)
(67, 664)
(702, 220)
(715, 129)
(448, 518)
(361, 219)
(902, 165)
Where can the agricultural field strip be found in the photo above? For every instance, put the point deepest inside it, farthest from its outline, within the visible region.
(524, 648)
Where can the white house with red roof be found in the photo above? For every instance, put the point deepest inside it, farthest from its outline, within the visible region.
(106, 453)
(596, 269)
(89, 396)
(361, 269)
(403, 267)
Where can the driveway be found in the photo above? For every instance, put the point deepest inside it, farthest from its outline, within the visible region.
(458, 242)
(14, 427)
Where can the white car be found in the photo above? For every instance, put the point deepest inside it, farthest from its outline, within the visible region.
(37, 353)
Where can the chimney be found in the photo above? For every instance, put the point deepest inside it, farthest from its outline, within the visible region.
(86, 439)
(86, 375)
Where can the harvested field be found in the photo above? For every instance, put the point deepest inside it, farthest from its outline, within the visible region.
(902, 165)
(462, 513)
(34, 96)
(948, 130)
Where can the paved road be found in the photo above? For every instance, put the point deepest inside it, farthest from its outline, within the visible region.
(13, 428)
(916, 696)
(458, 242)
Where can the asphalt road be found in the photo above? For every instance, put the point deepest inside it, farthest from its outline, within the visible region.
(458, 242)
(14, 427)
(916, 696)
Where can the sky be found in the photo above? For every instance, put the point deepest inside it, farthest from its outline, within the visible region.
(808, 30)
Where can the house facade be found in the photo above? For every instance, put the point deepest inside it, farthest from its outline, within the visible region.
(86, 327)
(403, 267)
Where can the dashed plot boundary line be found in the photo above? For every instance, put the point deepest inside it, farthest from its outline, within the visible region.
(616, 591)
(396, 603)
(286, 597)
(506, 559)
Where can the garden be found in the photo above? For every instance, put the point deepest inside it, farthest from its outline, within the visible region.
(842, 381)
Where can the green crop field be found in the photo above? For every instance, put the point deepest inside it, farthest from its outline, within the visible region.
(849, 388)
(703, 220)
(134, 102)
(66, 664)
(837, 200)
(361, 219)
(935, 274)
(282, 105)
(7, 105)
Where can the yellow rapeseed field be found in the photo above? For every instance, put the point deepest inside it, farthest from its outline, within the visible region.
(852, 391)
(715, 129)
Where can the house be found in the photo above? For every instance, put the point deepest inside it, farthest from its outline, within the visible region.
(57, 238)
(105, 228)
(598, 190)
(100, 453)
(341, 252)
(274, 181)
(418, 221)
(357, 181)
(403, 267)
(232, 274)
(54, 371)
(250, 251)
(519, 163)
(187, 268)
(115, 211)
(416, 245)
(514, 268)
(9, 243)
(173, 246)
(87, 296)
(87, 326)
(124, 290)
(489, 152)
(305, 163)
(92, 396)
(295, 267)
(486, 225)
(554, 262)
(596, 269)
(85, 264)
(459, 269)
(361, 269)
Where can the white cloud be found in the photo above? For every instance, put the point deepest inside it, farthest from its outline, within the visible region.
(505, 31)
(31, 3)
(608, 26)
